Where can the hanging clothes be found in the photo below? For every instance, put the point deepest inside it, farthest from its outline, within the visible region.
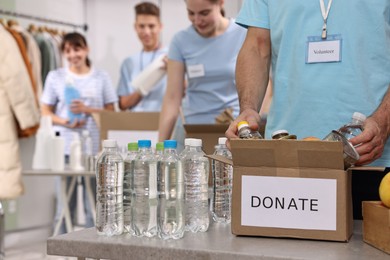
(34, 56)
(16, 102)
(30, 131)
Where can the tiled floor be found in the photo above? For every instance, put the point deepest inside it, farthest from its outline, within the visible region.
(29, 245)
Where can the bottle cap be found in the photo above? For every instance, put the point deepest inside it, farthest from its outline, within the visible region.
(196, 142)
(170, 144)
(144, 143)
(277, 132)
(359, 116)
(160, 146)
(242, 124)
(109, 143)
(132, 146)
(222, 140)
(58, 133)
(187, 141)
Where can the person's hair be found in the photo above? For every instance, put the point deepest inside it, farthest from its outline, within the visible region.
(147, 8)
(216, 2)
(75, 39)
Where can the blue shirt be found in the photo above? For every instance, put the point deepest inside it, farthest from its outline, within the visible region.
(207, 96)
(313, 99)
(96, 91)
(130, 68)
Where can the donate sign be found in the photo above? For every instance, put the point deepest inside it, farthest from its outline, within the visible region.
(285, 202)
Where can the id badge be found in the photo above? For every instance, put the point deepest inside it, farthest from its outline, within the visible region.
(195, 71)
(320, 50)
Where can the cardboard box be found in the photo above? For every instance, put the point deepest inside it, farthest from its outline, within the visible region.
(127, 127)
(376, 225)
(289, 188)
(210, 134)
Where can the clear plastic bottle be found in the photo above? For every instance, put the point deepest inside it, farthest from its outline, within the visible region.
(128, 175)
(87, 150)
(159, 151)
(222, 184)
(196, 174)
(186, 149)
(144, 192)
(244, 132)
(170, 218)
(355, 127)
(109, 199)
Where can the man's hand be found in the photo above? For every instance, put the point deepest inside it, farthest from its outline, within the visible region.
(249, 115)
(372, 141)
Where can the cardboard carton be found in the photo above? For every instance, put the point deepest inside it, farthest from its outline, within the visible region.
(127, 126)
(376, 225)
(289, 188)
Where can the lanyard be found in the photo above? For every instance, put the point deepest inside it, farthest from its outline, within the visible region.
(141, 62)
(325, 14)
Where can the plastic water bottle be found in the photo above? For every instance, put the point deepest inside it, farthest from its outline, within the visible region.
(109, 199)
(187, 146)
(144, 192)
(127, 184)
(71, 93)
(355, 127)
(170, 219)
(222, 184)
(87, 150)
(159, 151)
(196, 175)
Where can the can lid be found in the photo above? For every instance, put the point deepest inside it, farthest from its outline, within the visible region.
(160, 146)
(359, 116)
(109, 143)
(170, 144)
(222, 140)
(281, 131)
(242, 124)
(132, 146)
(144, 143)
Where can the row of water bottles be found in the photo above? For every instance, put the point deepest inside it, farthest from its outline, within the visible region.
(162, 193)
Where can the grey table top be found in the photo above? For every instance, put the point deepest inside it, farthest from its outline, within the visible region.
(65, 172)
(216, 243)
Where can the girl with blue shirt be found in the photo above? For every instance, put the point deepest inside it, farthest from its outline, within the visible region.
(96, 94)
(205, 54)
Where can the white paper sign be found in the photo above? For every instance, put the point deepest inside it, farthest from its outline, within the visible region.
(284, 202)
(195, 71)
(323, 51)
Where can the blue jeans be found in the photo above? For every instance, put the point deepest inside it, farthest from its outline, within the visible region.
(89, 222)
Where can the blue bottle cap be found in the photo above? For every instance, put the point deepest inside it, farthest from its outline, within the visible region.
(144, 143)
(170, 144)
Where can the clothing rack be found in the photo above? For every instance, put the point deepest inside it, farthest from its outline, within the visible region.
(45, 20)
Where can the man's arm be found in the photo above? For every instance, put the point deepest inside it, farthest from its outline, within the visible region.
(252, 74)
(129, 101)
(375, 134)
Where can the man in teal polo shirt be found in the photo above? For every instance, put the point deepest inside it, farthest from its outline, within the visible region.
(329, 60)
